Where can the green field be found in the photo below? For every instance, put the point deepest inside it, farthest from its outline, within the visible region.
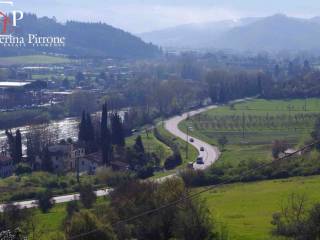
(247, 209)
(33, 59)
(252, 126)
(192, 151)
(152, 145)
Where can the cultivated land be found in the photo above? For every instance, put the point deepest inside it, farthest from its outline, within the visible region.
(32, 59)
(252, 126)
(247, 209)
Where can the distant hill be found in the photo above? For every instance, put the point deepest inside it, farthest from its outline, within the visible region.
(83, 39)
(273, 33)
(197, 35)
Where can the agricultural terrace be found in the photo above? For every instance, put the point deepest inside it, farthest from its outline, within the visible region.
(250, 127)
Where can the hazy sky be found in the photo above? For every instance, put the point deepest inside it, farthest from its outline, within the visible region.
(146, 15)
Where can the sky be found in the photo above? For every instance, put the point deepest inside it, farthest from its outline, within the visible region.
(138, 16)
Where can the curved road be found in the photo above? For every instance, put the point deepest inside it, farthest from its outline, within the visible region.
(210, 153)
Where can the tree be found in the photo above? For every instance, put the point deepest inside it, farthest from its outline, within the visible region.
(173, 161)
(18, 147)
(47, 164)
(82, 128)
(72, 207)
(223, 141)
(194, 223)
(87, 195)
(22, 168)
(86, 222)
(315, 134)
(138, 145)
(15, 145)
(117, 135)
(45, 201)
(278, 147)
(105, 135)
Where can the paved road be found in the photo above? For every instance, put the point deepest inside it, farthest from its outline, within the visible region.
(59, 199)
(210, 153)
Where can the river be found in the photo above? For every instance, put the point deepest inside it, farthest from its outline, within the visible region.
(63, 129)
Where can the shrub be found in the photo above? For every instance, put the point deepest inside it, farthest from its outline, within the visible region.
(173, 161)
(45, 201)
(22, 168)
(87, 195)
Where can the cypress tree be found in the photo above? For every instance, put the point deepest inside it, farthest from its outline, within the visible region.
(82, 127)
(89, 129)
(138, 146)
(18, 147)
(105, 135)
(118, 137)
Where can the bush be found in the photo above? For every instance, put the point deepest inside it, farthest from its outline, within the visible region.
(22, 168)
(84, 222)
(113, 178)
(72, 207)
(173, 161)
(87, 195)
(45, 201)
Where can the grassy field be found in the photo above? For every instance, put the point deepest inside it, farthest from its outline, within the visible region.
(252, 126)
(193, 152)
(152, 145)
(247, 209)
(32, 59)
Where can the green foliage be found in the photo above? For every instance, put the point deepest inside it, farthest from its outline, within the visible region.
(72, 207)
(107, 176)
(105, 135)
(222, 141)
(84, 222)
(187, 219)
(117, 132)
(87, 195)
(45, 201)
(173, 161)
(295, 221)
(22, 168)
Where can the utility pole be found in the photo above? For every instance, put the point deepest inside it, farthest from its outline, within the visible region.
(187, 146)
(243, 125)
(305, 104)
(78, 165)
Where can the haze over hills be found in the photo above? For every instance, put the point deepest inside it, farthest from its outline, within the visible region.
(274, 33)
(82, 39)
(193, 35)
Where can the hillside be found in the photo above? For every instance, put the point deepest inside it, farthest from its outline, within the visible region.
(197, 35)
(274, 33)
(82, 39)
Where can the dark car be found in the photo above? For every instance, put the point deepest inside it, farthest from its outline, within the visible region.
(191, 140)
(202, 149)
(200, 160)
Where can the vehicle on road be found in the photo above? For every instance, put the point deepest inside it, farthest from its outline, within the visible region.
(191, 140)
(202, 149)
(200, 160)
